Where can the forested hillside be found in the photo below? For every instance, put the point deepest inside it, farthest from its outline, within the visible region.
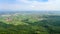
(29, 24)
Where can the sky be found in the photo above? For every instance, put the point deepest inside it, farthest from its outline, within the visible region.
(27, 5)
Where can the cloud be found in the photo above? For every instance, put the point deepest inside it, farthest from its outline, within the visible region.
(32, 5)
(50, 5)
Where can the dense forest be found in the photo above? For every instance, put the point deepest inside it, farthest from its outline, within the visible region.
(29, 24)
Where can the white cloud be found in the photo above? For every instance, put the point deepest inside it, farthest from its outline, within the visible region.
(33, 5)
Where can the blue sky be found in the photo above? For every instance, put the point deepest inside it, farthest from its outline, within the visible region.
(25, 5)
